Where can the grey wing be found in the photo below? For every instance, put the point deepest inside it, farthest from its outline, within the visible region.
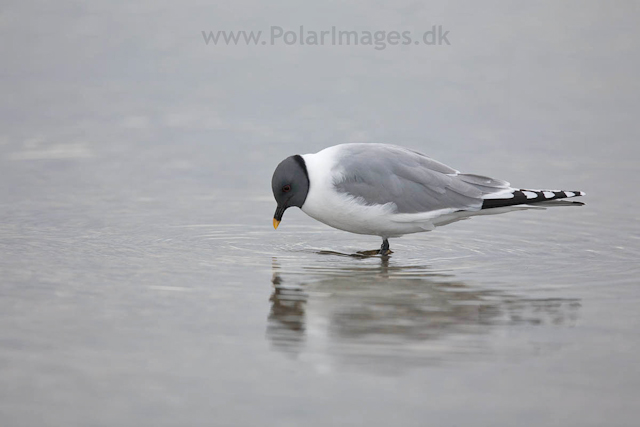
(380, 173)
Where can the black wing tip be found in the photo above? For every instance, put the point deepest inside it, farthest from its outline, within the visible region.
(528, 197)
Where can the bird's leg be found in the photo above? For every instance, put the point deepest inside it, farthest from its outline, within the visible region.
(384, 249)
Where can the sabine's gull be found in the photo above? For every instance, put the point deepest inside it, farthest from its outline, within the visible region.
(388, 191)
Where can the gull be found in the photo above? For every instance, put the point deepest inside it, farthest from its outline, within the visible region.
(388, 191)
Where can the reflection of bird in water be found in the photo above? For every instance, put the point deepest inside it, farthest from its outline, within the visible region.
(286, 320)
(410, 313)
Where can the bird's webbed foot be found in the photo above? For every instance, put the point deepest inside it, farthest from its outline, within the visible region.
(384, 250)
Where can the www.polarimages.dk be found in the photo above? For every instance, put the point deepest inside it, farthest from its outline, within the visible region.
(333, 37)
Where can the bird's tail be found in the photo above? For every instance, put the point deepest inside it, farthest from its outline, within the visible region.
(514, 196)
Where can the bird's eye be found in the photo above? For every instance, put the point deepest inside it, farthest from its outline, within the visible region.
(286, 188)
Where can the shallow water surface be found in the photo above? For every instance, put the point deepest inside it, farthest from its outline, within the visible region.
(141, 281)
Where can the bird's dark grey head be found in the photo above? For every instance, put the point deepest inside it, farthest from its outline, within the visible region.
(290, 185)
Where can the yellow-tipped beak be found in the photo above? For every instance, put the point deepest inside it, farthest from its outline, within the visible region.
(276, 223)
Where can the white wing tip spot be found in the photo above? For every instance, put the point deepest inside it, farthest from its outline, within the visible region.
(504, 194)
